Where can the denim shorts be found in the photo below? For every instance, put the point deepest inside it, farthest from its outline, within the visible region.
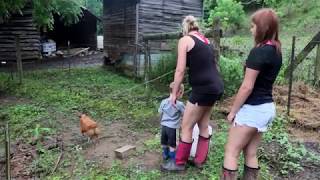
(256, 116)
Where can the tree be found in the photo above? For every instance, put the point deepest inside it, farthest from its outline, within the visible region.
(207, 6)
(43, 10)
(95, 6)
(230, 12)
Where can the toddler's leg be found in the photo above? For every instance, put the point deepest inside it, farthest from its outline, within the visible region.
(172, 136)
(164, 143)
(165, 152)
(172, 153)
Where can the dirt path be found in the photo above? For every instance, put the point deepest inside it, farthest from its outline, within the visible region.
(113, 136)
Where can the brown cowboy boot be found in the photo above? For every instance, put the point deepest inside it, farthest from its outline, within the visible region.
(228, 174)
(250, 173)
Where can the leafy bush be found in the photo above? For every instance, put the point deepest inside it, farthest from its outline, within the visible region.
(166, 64)
(232, 72)
(230, 12)
(207, 6)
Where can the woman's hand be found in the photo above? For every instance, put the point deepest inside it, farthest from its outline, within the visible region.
(173, 98)
(230, 117)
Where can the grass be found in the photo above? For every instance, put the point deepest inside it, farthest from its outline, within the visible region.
(51, 98)
(96, 91)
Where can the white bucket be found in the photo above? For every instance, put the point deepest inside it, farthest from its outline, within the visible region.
(99, 42)
(195, 136)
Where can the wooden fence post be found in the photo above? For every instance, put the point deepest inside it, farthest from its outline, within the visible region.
(146, 62)
(19, 60)
(317, 67)
(7, 141)
(216, 37)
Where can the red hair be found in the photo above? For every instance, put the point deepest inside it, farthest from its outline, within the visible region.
(267, 24)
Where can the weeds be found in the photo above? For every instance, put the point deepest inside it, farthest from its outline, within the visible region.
(290, 155)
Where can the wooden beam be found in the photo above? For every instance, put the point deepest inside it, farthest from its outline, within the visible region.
(216, 36)
(19, 60)
(304, 53)
(7, 136)
(171, 35)
(146, 63)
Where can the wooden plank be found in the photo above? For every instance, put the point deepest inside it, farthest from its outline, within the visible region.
(124, 151)
(171, 35)
(216, 36)
(303, 54)
(22, 37)
(8, 33)
(25, 45)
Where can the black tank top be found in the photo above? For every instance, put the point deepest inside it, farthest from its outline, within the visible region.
(204, 77)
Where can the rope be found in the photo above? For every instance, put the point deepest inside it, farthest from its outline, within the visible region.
(142, 84)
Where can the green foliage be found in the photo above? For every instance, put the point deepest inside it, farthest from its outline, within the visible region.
(25, 118)
(95, 6)
(230, 12)
(231, 70)
(208, 5)
(278, 3)
(69, 10)
(39, 131)
(166, 64)
(12, 6)
(45, 162)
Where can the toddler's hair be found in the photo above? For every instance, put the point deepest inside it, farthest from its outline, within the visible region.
(172, 84)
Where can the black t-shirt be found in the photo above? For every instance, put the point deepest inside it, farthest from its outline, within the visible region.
(204, 77)
(268, 62)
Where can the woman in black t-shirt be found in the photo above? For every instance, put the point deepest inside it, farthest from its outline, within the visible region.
(253, 109)
(195, 52)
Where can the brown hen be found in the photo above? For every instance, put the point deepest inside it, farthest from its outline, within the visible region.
(88, 127)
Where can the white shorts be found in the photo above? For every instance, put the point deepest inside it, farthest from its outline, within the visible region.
(257, 116)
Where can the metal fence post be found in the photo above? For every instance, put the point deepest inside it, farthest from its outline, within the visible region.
(291, 74)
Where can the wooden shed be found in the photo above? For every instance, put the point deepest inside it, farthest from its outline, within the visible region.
(81, 34)
(126, 21)
(21, 26)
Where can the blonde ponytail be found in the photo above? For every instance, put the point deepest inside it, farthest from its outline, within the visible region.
(189, 23)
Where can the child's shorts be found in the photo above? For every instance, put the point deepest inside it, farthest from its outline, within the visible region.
(257, 116)
(168, 136)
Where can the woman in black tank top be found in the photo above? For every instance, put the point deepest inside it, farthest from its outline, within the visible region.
(195, 52)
